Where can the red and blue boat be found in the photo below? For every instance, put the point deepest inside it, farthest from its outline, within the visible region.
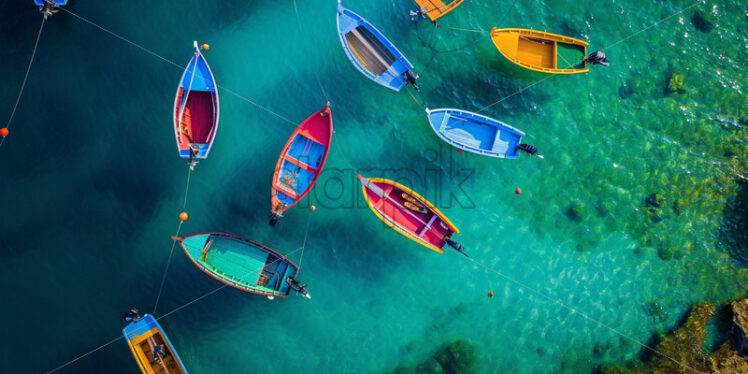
(196, 109)
(301, 162)
(243, 264)
(409, 214)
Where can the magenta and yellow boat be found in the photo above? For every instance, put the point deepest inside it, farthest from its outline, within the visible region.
(409, 214)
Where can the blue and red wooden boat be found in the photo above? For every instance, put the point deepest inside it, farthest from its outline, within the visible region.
(372, 53)
(196, 109)
(301, 162)
(243, 264)
(151, 348)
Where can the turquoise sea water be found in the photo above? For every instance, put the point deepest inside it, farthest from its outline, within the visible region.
(91, 186)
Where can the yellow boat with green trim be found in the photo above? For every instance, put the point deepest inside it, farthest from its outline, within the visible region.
(541, 51)
(421, 221)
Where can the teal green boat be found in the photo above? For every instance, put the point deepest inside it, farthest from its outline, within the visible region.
(243, 264)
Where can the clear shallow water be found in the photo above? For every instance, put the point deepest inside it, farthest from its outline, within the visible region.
(92, 186)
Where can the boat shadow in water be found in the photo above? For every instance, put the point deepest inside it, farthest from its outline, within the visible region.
(733, 233)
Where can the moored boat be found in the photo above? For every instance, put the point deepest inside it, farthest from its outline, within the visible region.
(476, 133)
(243, 264)
(196, 109)
(372, 53)
(409, 214)
(435, 9)
(49, 7)
(152, 349)
(541, 51)
(301, 162)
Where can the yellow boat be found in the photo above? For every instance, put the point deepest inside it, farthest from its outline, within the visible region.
(436, 8)
(541, 51)
(151, 348)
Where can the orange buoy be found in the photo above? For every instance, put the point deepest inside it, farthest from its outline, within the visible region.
(313, 208)
(183, 216)
(490, 294)
(518, 191)
(4, 131)
(459, 151)
(206, 47)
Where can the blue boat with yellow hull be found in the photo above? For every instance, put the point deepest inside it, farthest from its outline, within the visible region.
(152, 349)
(476, 133)
(372, 53)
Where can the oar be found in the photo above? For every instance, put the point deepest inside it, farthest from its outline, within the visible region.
(383, 194)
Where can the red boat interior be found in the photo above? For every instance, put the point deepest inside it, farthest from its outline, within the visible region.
(428, 226)
(198, 118)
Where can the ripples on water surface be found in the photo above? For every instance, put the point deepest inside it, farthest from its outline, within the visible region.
(91, 186)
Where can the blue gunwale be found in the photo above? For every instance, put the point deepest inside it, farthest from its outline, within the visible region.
(401, 64)
(475, 118)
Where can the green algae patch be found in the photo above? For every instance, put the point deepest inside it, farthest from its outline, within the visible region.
(457, 357)
(675, 84)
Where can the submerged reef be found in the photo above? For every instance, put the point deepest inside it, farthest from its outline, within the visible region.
(685, 345)
(703, 21)
(457, 357)
(734, 229)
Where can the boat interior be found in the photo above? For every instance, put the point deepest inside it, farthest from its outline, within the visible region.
(549, 54)
(273, 273)
(198, 117)
(427, 226)
(369, 51)
(166, 364)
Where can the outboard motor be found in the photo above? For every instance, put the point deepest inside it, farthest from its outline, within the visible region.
(415, 15)
(133, 315)
(411, 78)
(274, 218)
(298, 287)
(529, 149)
(598, 58)
(456, 246)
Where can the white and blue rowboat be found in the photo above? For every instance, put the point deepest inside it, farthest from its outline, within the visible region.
(476, 133)
(372, 53)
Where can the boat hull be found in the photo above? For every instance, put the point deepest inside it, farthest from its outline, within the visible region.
(541, 51)
(302, 160)
(40, 3)
(240, 263)
(435, 9)
(407, 212)
(371, 52)
(196, 109)
(476, 133)
(141, 337)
